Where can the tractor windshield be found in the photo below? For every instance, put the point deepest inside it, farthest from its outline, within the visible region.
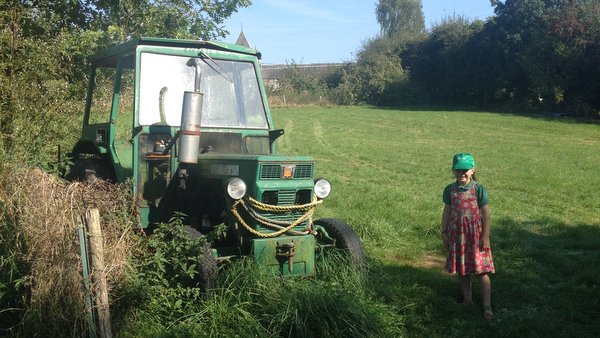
(232, 97)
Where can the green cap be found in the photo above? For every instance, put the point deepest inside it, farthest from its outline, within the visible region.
(463, 161)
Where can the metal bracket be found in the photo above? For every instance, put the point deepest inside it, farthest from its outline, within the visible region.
(287, 250)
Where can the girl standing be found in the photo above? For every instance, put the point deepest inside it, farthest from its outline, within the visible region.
(466, 231)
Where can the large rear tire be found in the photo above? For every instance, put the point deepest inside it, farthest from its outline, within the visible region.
(89, 170)
(345, 239)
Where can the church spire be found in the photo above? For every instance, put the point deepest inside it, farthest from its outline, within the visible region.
(241, 40)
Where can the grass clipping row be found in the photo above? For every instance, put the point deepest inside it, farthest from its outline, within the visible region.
(44, 214)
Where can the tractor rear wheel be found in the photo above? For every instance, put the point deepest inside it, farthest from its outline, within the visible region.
(344, 238)
(90, 169)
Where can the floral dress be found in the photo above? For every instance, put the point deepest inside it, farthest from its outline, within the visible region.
(464, 234)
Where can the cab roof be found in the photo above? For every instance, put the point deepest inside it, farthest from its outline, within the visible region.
(111, 54)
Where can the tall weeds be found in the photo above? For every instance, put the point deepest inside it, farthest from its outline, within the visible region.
(41, 279)
(151, 278)
(251, 302)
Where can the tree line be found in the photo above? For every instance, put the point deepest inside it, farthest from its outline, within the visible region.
(531, 54)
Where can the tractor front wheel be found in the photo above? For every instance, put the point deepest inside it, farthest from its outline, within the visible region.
(208, 270)
(342, 237)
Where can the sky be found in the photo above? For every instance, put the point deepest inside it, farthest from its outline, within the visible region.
(326, 31)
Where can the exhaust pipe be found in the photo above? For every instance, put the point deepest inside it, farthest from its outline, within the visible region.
(189, 133)
(191, 118)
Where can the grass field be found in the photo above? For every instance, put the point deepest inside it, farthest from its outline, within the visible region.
(388, 169)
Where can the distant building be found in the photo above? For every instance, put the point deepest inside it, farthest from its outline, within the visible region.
(273, 73)
(318, 70)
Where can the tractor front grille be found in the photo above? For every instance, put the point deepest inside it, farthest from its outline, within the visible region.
(270, 172)
(273, 171)
(270, 197)
(285, 197)
(303, 171)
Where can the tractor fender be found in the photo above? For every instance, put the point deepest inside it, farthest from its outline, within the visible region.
(86, 147)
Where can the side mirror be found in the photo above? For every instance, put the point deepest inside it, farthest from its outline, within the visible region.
(274, 134)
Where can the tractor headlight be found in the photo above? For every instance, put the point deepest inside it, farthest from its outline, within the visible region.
(322, 188)
(236, 188)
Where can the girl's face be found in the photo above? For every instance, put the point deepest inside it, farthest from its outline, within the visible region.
(463, 177)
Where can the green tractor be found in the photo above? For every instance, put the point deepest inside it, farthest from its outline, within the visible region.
(188, 123)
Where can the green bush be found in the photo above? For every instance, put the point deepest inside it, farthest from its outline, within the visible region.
(43, 94)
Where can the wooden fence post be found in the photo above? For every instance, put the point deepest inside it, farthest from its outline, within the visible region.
(98, 272)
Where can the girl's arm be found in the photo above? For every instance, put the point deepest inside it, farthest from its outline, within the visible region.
(445, 224)
(445, 218)
(485, 222)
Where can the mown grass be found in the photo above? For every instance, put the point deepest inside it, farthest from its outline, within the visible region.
(388, 168)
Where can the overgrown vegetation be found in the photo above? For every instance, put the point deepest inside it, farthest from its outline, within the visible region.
(41, 283)
(153, 280)
(251, 302)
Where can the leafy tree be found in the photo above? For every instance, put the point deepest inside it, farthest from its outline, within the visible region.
(442, 64)
(536, 54)
(577, 28)
(545, 49)
(397, 17)
(166, 18)
(376, 69)
(294, 79)
(41, 67)
(44, 45)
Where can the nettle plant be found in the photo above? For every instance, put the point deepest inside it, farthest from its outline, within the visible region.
(172, 255)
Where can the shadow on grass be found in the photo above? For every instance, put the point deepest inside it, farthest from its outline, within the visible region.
(540, 115)
(546, 284)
